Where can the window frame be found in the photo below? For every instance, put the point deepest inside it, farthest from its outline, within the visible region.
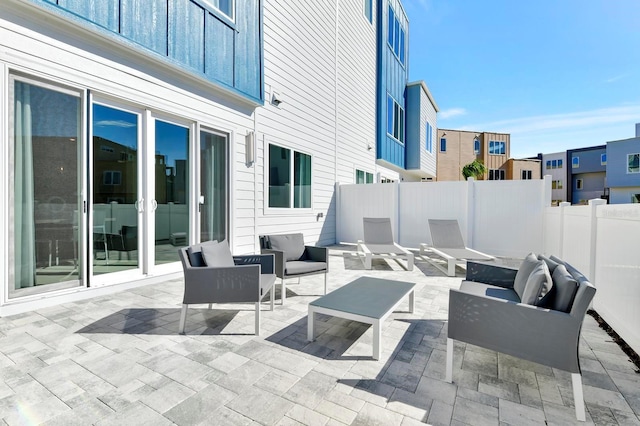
(429, 138)
(396, 36)
(499, 146)
(629, 171)
(560, 163)
(292, 186)
(603, 159)
(575, 162)
(396, 120)
(443, 143)
(548, 164)
(579, 184)
(476, 146)
(368, 10)
(526, 174)
(500, 172)
(209, 4)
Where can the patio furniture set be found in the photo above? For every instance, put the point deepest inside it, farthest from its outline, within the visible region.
(496, 307)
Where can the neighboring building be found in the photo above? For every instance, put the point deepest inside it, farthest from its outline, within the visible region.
(623, 170)
(555, 164)
(187, 121)
(457, 148)
(586, 173)
(421, 133)
(523, 169)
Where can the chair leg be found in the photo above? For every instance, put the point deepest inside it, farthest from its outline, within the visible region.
(283, 290)
(578, 396)
(272, 295)
(210, 305)
(367, 261)
(325, 283)
(257, 318)
(449, 376)
(451, 267)
(410, 262)
(183, 318)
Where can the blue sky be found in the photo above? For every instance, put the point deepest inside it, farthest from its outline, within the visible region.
(556, 74)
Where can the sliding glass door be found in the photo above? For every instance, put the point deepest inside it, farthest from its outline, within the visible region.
(46, 187)
(213, 186)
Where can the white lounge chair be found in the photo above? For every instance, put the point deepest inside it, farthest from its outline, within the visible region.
(447, 243)
(378, 243)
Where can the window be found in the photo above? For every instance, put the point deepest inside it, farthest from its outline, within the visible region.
(496, 174)
(281, 169)
(560, 163)
(526, 174)
(497, 148)
(554, 184)
(559, 184)
(603, 159)
(368, 10)
(363, 177)
(111, 177)
(226, 7)
(548, 164)
(476, 146)
(395, 119)
(578, 183)
(575, 162)
(396, 36)
(633, 163)
(554, 164)
(429, 138)
(443, 145)
(635, 198)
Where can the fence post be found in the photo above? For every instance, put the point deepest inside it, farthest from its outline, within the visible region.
(471, 210)
(562, 206)
(338, 214)
(593, 230)
(396, 211)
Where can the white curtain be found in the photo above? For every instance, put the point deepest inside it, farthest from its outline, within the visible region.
(24, 225)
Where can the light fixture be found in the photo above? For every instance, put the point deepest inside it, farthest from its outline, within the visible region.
(276, 98)
(444, 133)
(250, 148)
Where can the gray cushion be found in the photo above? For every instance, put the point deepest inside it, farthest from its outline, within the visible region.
(482, 289)
(519, 283)
(217, 255)
(195, 253)
(296, 267)
(552, 265)
(537, 279)
(563, 292)
(291, 244)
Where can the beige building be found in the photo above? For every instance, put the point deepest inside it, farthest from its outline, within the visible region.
(523, 169)
(457, 148)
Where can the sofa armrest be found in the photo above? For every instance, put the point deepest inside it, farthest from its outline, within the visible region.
(278, 259)
(536, 334)
(266, 261)
(317, 254)
(209, 284)
(501, 276)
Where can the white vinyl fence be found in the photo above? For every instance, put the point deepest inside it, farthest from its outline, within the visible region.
(503, 218)
(602, 242)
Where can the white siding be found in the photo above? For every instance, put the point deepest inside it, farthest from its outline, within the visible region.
(427, 115)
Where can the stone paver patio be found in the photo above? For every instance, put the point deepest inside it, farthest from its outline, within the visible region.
(118, 360)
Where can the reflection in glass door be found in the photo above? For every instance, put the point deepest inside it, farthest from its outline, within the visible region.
(213, 186)
(46, 188)
(114, 201)
(171, 190)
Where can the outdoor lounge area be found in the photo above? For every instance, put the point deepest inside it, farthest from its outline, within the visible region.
(118, 359)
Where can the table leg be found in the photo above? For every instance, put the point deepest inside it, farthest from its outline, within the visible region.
(310, 325)
(412, 301)
(377, 336)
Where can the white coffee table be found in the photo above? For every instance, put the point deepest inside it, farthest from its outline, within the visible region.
(369, 300)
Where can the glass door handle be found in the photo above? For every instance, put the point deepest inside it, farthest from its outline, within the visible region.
(139, 205)
(154, 205)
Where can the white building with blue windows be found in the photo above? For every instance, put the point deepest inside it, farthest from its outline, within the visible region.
(131, 128)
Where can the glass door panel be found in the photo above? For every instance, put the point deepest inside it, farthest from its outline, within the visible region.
(46, 185)
(114, 201)
(213, 187)
(171, 190)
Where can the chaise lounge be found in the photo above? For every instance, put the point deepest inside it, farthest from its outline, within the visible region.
(379, 243)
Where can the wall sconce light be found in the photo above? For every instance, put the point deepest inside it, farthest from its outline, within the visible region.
(250, 148)
(369, 147)
(444, 134)
(276, 99)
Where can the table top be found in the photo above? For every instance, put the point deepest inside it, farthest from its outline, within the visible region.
(366, 296)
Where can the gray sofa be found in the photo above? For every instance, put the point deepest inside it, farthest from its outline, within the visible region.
(501, 309)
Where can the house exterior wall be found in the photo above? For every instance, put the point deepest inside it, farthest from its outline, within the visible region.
(590, 169)
(618, 174)
(421, 119)
(515, 168)
(558, 174)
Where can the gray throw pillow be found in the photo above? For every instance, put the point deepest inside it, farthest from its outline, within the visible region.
(538, 277)
(523, 273)
(563, 292)
(291, 244)
(195, 253)
(217, 255)
(552, 265)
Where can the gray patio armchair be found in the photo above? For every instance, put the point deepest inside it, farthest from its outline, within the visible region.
(294, 259)
(489, 311)
(213, 275)
(378, 242)
(447, 242)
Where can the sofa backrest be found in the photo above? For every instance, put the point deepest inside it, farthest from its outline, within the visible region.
(586, 290)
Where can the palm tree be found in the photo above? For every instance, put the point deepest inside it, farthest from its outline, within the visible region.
(475, 169)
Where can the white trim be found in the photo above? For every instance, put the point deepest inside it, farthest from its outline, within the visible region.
(4, 186)
(286, 211)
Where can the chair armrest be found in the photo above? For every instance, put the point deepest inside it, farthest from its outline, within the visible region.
(209, 284)
(278, 259)
(501, 276)
(317, 254)
(536, 334)
(266, 261)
